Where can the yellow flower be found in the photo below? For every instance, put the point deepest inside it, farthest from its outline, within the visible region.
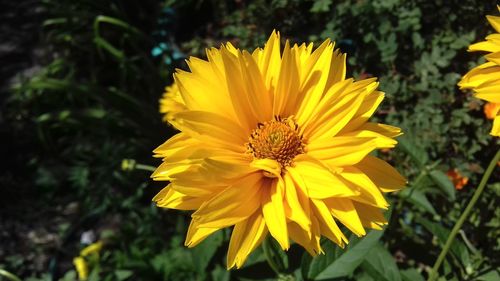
(485, 78)
(82, 268)
(276, 143)
(171, 103)
(93, 248)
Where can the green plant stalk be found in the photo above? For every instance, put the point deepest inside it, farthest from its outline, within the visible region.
(145, 167)
(9, 275)
(434, 273)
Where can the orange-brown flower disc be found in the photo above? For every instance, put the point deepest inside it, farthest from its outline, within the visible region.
(278, 139)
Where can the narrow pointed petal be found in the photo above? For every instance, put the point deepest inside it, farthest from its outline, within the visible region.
(495, 131)
(301, 237)
(327, 224)
(212, 128)
(246, 236)
(232, 205)
(343, 209)
(368, 191)
(370, 216)
(274, 211)
(383, 175)
(197, 234)
(318, 180)
(169, 198)
(294, 208)
(270, 167)
(342, 150)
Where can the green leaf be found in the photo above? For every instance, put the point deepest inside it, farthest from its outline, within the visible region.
(122, 274)
(96, 113)
(492, 275)
(444, 183)
(221, 274)
(417, 198)
(321, 6)
(103, 43)
(418, 155)
(411, 274)
(203, 253)
(380, 264)
(349, 260)
(458, 248)
(313, 266)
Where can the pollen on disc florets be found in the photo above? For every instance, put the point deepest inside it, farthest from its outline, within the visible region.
(278, 139)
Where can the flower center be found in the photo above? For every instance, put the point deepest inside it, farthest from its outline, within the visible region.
(277, 139)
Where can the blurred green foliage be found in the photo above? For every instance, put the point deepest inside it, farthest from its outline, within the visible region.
(94, 103)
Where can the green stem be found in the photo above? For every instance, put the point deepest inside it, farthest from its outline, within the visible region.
(434, 273)
(420, 177)
(269, 257)
(145, 167)
(9, 275)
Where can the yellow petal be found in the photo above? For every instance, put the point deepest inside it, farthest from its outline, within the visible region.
(301, 237)
(93, 248)
(495, 131)
(337, 68)
(327, 224)
(225, 168)
(169, 198)
(195, 190)
(237, 90)
(336, 117)
(294, 209)
(319, 181)
(197, 234)
(213, 128)
(341, 150)
(370, 216)
(366, 110)
(368, 191)
(173, 144)
(489, 92)
(232, 205)
(259, 97)
(166, 170)
(246, 236)
(383, 175)
(271, 168)
(274, 211)
(270, 60)
(495, 22)
(494, 58)
(380, 140)
(486, 46)
(479, 75)
(81, 268)
(204, 91)
(317, 68)
(344, 210)
(211, 174)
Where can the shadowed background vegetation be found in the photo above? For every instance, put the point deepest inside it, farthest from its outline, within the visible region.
(80, 94)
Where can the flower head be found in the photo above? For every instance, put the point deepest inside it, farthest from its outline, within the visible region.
(458, 180)
(91, 249)
(82, 268)
(276, 143)
(171, 103)
(485, 78)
